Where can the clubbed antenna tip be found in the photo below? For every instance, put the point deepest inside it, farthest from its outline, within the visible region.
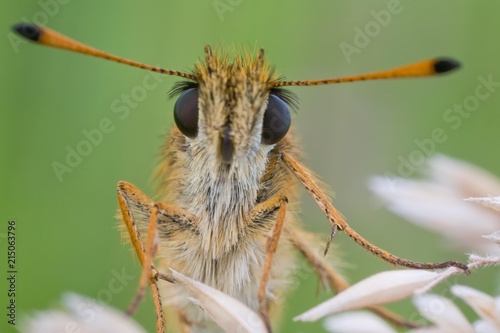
(28, 31)
(444, 65)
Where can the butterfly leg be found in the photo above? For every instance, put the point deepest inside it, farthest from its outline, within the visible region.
(338, 222)
(145, 256)
(274, 208)
(140, 214)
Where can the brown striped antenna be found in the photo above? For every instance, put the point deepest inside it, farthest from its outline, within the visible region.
(49, 37)
(428, 67)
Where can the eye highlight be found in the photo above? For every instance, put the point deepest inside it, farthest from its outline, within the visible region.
(276, 121)
(186, 112)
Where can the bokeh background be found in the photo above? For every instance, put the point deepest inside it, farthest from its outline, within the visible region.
(66, 232)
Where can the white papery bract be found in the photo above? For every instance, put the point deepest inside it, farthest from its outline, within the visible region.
(438, 204)
(229, 313)
(357, 322)
(443, 313)
(80, 314)
(458, 201)
(487, 307)
(381, 288)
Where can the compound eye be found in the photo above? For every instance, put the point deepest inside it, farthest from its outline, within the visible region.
(186, 112)
(276, 122)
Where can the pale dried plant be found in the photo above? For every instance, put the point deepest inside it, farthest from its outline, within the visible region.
(392, 286)
(80, 314)
(458, 201)
(442, 312)
(85, 315)
(437, 202)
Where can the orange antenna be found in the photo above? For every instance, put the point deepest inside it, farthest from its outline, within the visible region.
(421, 68)
(49, 37)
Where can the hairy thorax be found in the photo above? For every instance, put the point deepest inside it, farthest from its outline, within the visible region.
(228, 251)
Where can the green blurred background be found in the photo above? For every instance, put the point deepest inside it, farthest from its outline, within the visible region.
(66, 233)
